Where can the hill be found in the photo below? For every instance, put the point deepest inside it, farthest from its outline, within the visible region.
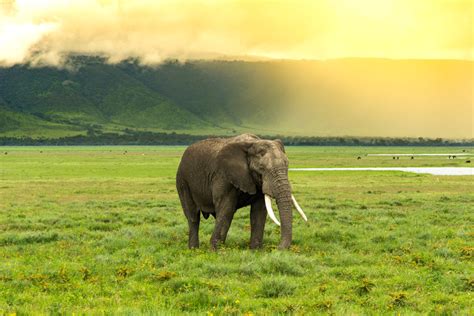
(363, 97)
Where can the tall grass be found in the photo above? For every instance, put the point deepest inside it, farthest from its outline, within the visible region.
(94, 231)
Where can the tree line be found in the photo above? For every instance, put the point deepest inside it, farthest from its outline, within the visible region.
(157, 138)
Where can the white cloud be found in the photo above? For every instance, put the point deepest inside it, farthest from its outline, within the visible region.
(152, 30)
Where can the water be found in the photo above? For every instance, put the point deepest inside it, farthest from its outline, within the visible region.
(459, 155)
(438, 171)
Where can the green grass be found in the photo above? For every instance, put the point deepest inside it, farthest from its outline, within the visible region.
(100, 229)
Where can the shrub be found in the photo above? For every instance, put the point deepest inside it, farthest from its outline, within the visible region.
(398, 299)
(281, 263)
(164, 275)
(194, 300)
(276, 287)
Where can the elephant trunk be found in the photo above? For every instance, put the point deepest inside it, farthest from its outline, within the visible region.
(281, 189)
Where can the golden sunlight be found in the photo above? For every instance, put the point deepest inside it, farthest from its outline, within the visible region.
(304, 29)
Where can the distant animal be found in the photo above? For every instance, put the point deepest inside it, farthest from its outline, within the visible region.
(358, 158)
(468, 161)
(393, 157)
(412, 157)
(217, 176)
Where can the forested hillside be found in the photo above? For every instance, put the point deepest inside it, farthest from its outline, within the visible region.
(359, 97)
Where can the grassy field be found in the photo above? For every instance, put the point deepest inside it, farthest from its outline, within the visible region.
(100, 230)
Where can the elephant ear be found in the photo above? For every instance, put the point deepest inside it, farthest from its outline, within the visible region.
(280, 144)
(232, 160)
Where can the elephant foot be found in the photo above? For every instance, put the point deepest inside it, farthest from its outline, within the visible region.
(284, 245)
(214, 244)
(256, 245)
(193, 242)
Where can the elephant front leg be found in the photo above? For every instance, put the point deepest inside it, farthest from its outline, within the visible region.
(224, 214)
(258, 216)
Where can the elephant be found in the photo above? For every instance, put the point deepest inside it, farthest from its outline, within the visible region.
(218, 176)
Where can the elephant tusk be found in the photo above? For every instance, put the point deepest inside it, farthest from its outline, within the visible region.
(268, 206)
(298, 207)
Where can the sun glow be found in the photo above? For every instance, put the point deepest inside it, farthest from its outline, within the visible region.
(46, 30)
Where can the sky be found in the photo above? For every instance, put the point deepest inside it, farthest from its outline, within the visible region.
(45, 31)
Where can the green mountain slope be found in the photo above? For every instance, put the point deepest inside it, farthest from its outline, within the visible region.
(95, 94)
(231, 93)
(14, 123)
(362, 97)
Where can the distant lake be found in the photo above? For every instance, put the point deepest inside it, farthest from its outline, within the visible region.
(438, 171)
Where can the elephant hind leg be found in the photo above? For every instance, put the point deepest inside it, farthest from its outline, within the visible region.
(193, 224)
(193, 215)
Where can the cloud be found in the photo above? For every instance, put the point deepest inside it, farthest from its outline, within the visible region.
(16, 39)
(45, 31)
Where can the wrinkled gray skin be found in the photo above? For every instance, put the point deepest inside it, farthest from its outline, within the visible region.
(217, 176)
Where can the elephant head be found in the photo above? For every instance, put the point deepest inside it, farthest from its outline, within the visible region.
(254, 164)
